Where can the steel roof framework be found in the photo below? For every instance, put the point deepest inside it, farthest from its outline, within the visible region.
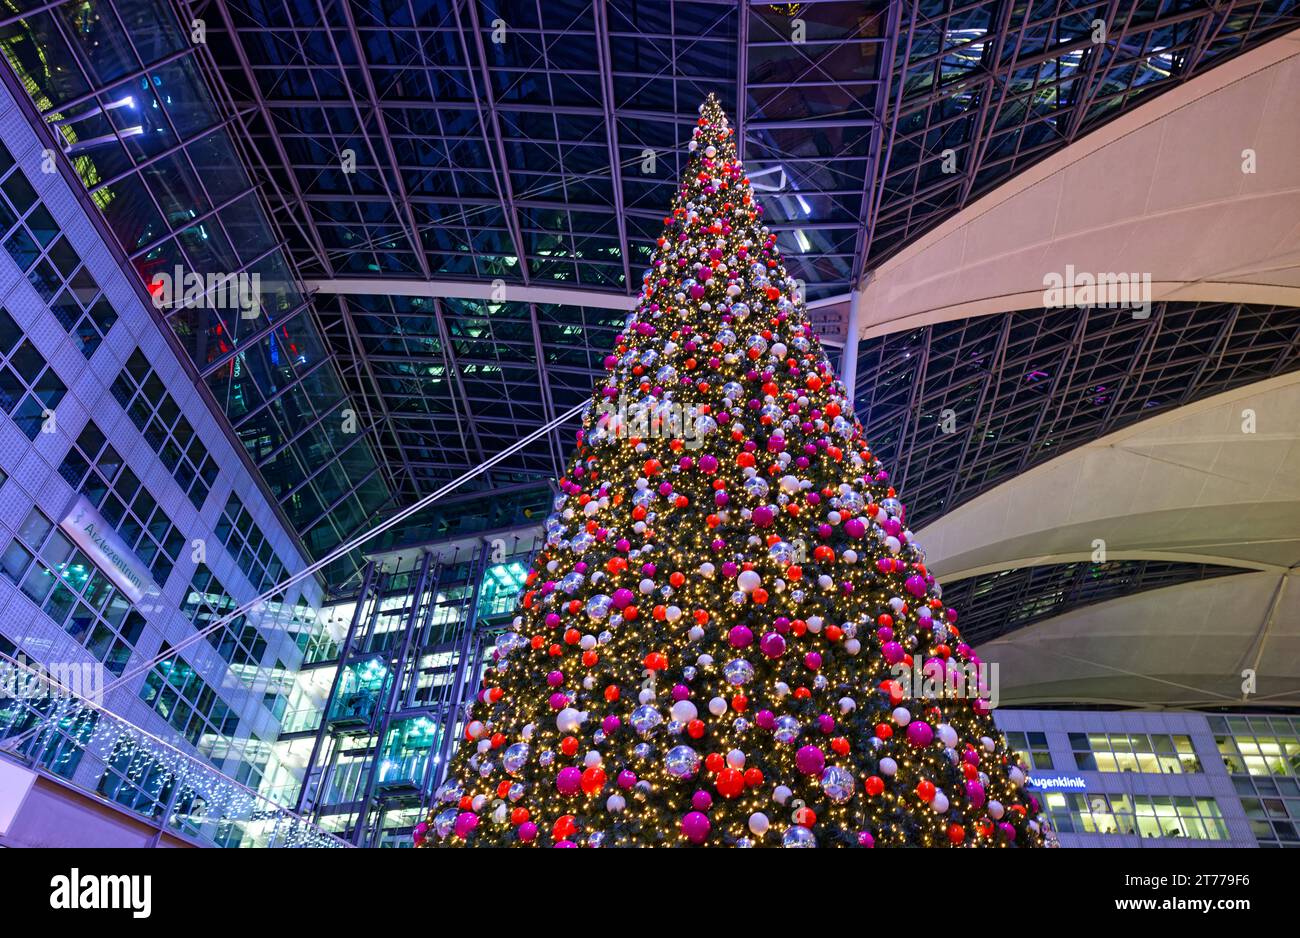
(398, 142)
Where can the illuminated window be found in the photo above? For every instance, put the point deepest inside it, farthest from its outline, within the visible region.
(1156, 754)
(169, 434)
(72, 591)
(94, 467)
(29, 388)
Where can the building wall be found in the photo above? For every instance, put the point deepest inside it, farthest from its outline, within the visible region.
(1248, 768)
(85, 364)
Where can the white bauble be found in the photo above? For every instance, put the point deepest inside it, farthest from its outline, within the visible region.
(569, 720)
(683, 711)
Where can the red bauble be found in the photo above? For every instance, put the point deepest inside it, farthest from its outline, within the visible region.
(925, 790)
(593, 780)
(731, 782)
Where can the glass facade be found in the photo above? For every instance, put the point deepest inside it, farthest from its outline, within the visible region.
(121, 86)
(1263, 756)
(73, 592)
(115, 489)
(1134, 752)
(1146, 816)
(117, 422)
(38, 246)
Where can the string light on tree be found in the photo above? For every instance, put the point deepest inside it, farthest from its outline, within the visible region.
(702, 654)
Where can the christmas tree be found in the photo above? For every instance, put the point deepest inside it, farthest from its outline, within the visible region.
(718, 641)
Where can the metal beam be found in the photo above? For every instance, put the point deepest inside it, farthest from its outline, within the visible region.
(611, 132)
(491, 291)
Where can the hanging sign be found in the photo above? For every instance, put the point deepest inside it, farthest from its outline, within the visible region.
(86, 526)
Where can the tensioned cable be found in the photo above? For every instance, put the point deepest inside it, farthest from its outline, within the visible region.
(346, 548)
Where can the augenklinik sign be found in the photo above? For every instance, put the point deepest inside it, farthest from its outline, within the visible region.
(97, 539)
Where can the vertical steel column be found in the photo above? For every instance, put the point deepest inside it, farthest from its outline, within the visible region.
(422, 633)
(366, 581)
(849, 357)
(458, 690)
(390, 701)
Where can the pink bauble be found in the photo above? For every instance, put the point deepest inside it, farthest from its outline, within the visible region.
(569, 781)
(919, 733)
(772, 644)
(466, 823)
(696, 826)
(740, 636)
(810, 760)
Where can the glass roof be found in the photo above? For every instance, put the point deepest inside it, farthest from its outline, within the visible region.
(537, 145)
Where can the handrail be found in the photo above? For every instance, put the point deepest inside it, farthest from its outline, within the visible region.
(200, 796)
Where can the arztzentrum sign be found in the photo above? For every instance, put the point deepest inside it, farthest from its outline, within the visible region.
(86, 526)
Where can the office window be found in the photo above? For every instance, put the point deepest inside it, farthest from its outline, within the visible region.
(36, 243)
(1032, 748)
(60, 747)
(54, 574)
(250, 548)
(238, 641)
(1156, 753)
(159, 419)
(29, 388)
(139, 782)
(180, 696)
(1263, 756)
(1147, 816)
(94, 468)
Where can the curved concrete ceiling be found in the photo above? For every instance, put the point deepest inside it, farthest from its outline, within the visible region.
(1185, 646)
(1187, 485)
(1190, 486)
(1160, 190)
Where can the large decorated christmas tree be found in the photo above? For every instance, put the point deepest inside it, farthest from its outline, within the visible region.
(730, 637)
